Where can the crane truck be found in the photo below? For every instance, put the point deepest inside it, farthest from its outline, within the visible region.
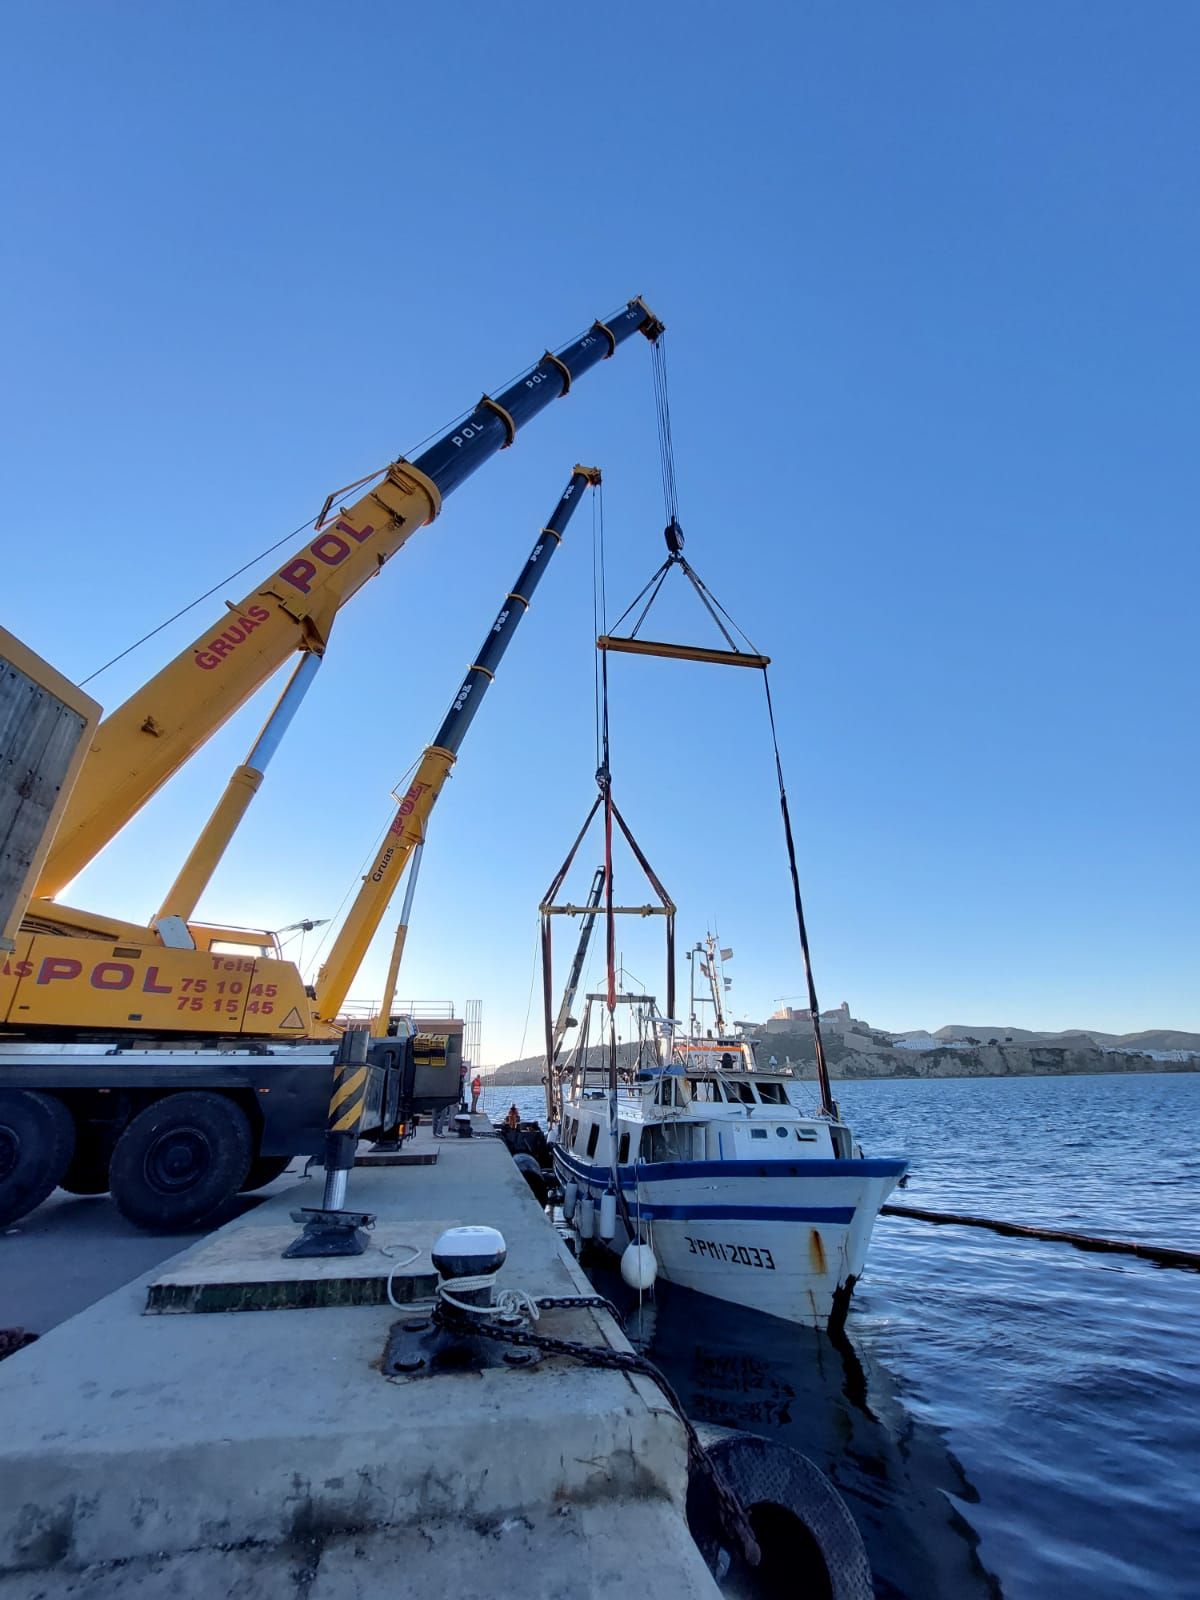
(76, 974)
(177, 1063)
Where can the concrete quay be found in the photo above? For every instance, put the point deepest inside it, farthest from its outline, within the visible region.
(262, 1453)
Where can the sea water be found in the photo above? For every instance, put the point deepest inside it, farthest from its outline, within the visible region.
(1005, 1416)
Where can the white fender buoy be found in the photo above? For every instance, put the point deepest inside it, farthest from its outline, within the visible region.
(587, 1217)
(570, 1196)
(638, 1266)
(608, 1216)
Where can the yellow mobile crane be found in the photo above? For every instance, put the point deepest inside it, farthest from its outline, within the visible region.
(81, 975)
(175, 1133)
(150, 1059)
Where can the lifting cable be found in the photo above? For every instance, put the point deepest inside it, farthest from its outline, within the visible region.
(666, 445)
(604, 798)
(603, 773)
(749, 657)
(192, 604)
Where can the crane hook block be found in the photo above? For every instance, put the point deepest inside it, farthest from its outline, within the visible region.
(673, 534)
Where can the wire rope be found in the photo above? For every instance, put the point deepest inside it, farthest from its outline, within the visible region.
(721, 617)
(666, 445)
(200, 598)
(406, 454)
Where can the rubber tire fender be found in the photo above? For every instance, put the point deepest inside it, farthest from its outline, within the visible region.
(219, 1133)
(264, 1170)
(43, 1133)
(533, 1175)
(779, 1488)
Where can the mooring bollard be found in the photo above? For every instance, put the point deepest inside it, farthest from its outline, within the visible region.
(330, 1230)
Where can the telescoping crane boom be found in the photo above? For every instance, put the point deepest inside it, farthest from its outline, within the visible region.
(145, 741)
(89, 975)
(407, 831)
(174, 1133)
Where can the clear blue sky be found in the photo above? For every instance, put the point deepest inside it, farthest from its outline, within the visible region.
(930, 278)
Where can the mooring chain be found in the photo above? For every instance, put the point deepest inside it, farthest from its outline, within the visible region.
(574, 1302)
(731, 1514)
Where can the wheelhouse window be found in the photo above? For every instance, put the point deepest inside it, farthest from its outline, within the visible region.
(593, 1136)
(671, 1141)
(623, 1149)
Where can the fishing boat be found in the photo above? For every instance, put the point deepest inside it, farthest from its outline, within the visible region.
(719, 1167)
(691, 1162)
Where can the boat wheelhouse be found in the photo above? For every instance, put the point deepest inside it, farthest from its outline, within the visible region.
(718, 1166)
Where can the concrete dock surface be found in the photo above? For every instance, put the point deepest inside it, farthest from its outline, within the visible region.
(262, 1453)
(73, 1250)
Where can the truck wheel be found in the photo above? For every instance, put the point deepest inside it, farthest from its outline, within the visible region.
(37, 1138)
(264, 1170)
(180, 1160)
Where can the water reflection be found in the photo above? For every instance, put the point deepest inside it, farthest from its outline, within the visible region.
(1067, 1383)
(739, 1369)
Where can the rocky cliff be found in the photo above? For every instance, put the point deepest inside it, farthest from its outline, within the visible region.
(851, 1057)
(872, 1056)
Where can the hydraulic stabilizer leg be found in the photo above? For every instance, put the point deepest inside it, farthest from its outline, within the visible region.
(330, 1230)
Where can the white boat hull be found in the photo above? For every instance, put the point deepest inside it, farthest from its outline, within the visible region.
(784, 1237)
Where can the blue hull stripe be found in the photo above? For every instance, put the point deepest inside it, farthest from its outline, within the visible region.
(689, 1213)
(662, 1171)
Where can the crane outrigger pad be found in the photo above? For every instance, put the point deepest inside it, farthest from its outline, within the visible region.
(680, 652)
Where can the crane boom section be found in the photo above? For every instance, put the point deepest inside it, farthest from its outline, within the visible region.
(145, 741)
(407, 830)
(141, 744)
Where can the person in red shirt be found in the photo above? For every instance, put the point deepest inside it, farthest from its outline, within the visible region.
(476, 1091)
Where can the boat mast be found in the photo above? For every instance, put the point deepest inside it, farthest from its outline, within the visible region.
(715, 982)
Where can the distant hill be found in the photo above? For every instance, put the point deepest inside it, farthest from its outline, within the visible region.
(855, 1050)
(955, 1030)
(1160, 1039)
(1148, 1039)
(528, 1070)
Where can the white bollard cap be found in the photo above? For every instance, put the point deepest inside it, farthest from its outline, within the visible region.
(470, 1250)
